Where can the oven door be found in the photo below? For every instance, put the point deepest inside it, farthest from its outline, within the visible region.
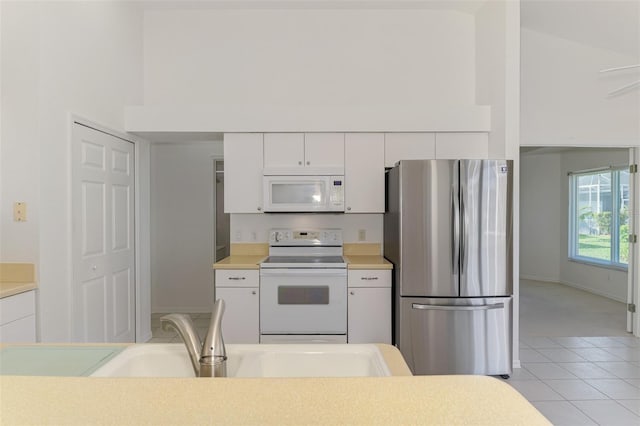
(303, 301)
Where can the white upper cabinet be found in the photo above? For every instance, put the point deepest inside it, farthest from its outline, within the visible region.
(243, 160)
(364, 172)
(304, 150)
(462, 145)
(284, 150)
(408, 146)
(324, 149)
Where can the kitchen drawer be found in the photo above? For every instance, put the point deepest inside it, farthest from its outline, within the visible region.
(237, 278)
(21, 305)
(369, 278)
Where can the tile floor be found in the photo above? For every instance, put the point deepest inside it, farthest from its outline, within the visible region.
(593, 379)
(581, 380)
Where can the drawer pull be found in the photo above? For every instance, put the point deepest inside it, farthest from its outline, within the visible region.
(237, 278)
(368, 278)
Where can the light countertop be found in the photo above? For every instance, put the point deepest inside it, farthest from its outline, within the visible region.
(443, 400)
(240, 262)
(367, 262)
(357, 256)
(400, 399)
(16, 278)
(11, 289)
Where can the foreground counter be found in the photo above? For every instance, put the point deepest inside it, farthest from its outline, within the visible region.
(267, 401)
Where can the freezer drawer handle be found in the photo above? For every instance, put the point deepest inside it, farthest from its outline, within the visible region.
(458, 308)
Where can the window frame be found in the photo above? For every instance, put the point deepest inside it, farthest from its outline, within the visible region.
(574, 234)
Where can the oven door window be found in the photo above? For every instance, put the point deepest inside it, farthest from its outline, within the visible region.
(303, 295)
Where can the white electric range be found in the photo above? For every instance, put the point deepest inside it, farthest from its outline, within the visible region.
(303, 287)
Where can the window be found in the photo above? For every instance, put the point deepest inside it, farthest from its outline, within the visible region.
(599, 217)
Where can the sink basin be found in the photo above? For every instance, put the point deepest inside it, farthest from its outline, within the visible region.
(284, 360)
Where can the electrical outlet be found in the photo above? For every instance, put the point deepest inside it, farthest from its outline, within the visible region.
(238, 235)
(254, 236)
(19, 212)
(362, 235)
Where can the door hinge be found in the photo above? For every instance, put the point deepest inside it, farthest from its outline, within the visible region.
(631, 307)
(633, 238)
(633, 168)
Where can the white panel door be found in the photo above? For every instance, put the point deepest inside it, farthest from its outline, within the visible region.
(103, 252)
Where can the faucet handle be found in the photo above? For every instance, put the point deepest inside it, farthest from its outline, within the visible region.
(214, 343)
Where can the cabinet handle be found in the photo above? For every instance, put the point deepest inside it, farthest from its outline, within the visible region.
(368, 278)
(299, 163)
(253, 292)
(348, 208)
(308, 163)
(237, 278)
(352, 293)
(259, 208)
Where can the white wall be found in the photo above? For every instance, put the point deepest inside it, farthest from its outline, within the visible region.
(541, 212)
(545, 219)
(412, 58)
(58, 58)
(564, 97)
(182, 226)
(254, 227)
(497, 38)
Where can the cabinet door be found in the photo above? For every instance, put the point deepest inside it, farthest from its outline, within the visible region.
(283, 150)
(369, 316)
(240, 321)
(324, 150)
(408, 146)
(462, 145)
(364, 172)
(243, 172)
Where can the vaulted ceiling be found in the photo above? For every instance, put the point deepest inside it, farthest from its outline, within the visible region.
(607, 24)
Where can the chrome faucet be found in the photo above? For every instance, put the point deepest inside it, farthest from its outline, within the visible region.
(208, 359)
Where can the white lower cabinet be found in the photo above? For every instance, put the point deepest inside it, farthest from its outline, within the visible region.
(369, 304)
(240, 291)
(18, 318)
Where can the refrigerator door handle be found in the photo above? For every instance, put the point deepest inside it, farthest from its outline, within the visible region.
(455, 222)
(463, 220)
(457, 307)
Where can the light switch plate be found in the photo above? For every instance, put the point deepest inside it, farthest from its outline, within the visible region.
(19, 212)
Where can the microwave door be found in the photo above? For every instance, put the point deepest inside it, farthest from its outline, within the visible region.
(301, 194)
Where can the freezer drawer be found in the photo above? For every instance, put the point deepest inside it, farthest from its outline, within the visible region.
(455, 336)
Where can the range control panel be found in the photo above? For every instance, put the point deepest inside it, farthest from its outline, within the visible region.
(305, 237)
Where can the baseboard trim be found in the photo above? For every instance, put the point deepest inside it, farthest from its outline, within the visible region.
(180, 310)
(574, 285)
(537, 278)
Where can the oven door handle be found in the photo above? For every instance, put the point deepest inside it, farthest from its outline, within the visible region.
(303, 272)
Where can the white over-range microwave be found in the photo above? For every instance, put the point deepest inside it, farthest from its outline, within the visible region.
(303, 193)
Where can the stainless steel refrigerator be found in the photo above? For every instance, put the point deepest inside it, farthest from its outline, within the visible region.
(447, 230)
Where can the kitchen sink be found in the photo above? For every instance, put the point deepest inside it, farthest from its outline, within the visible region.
(278, 360)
